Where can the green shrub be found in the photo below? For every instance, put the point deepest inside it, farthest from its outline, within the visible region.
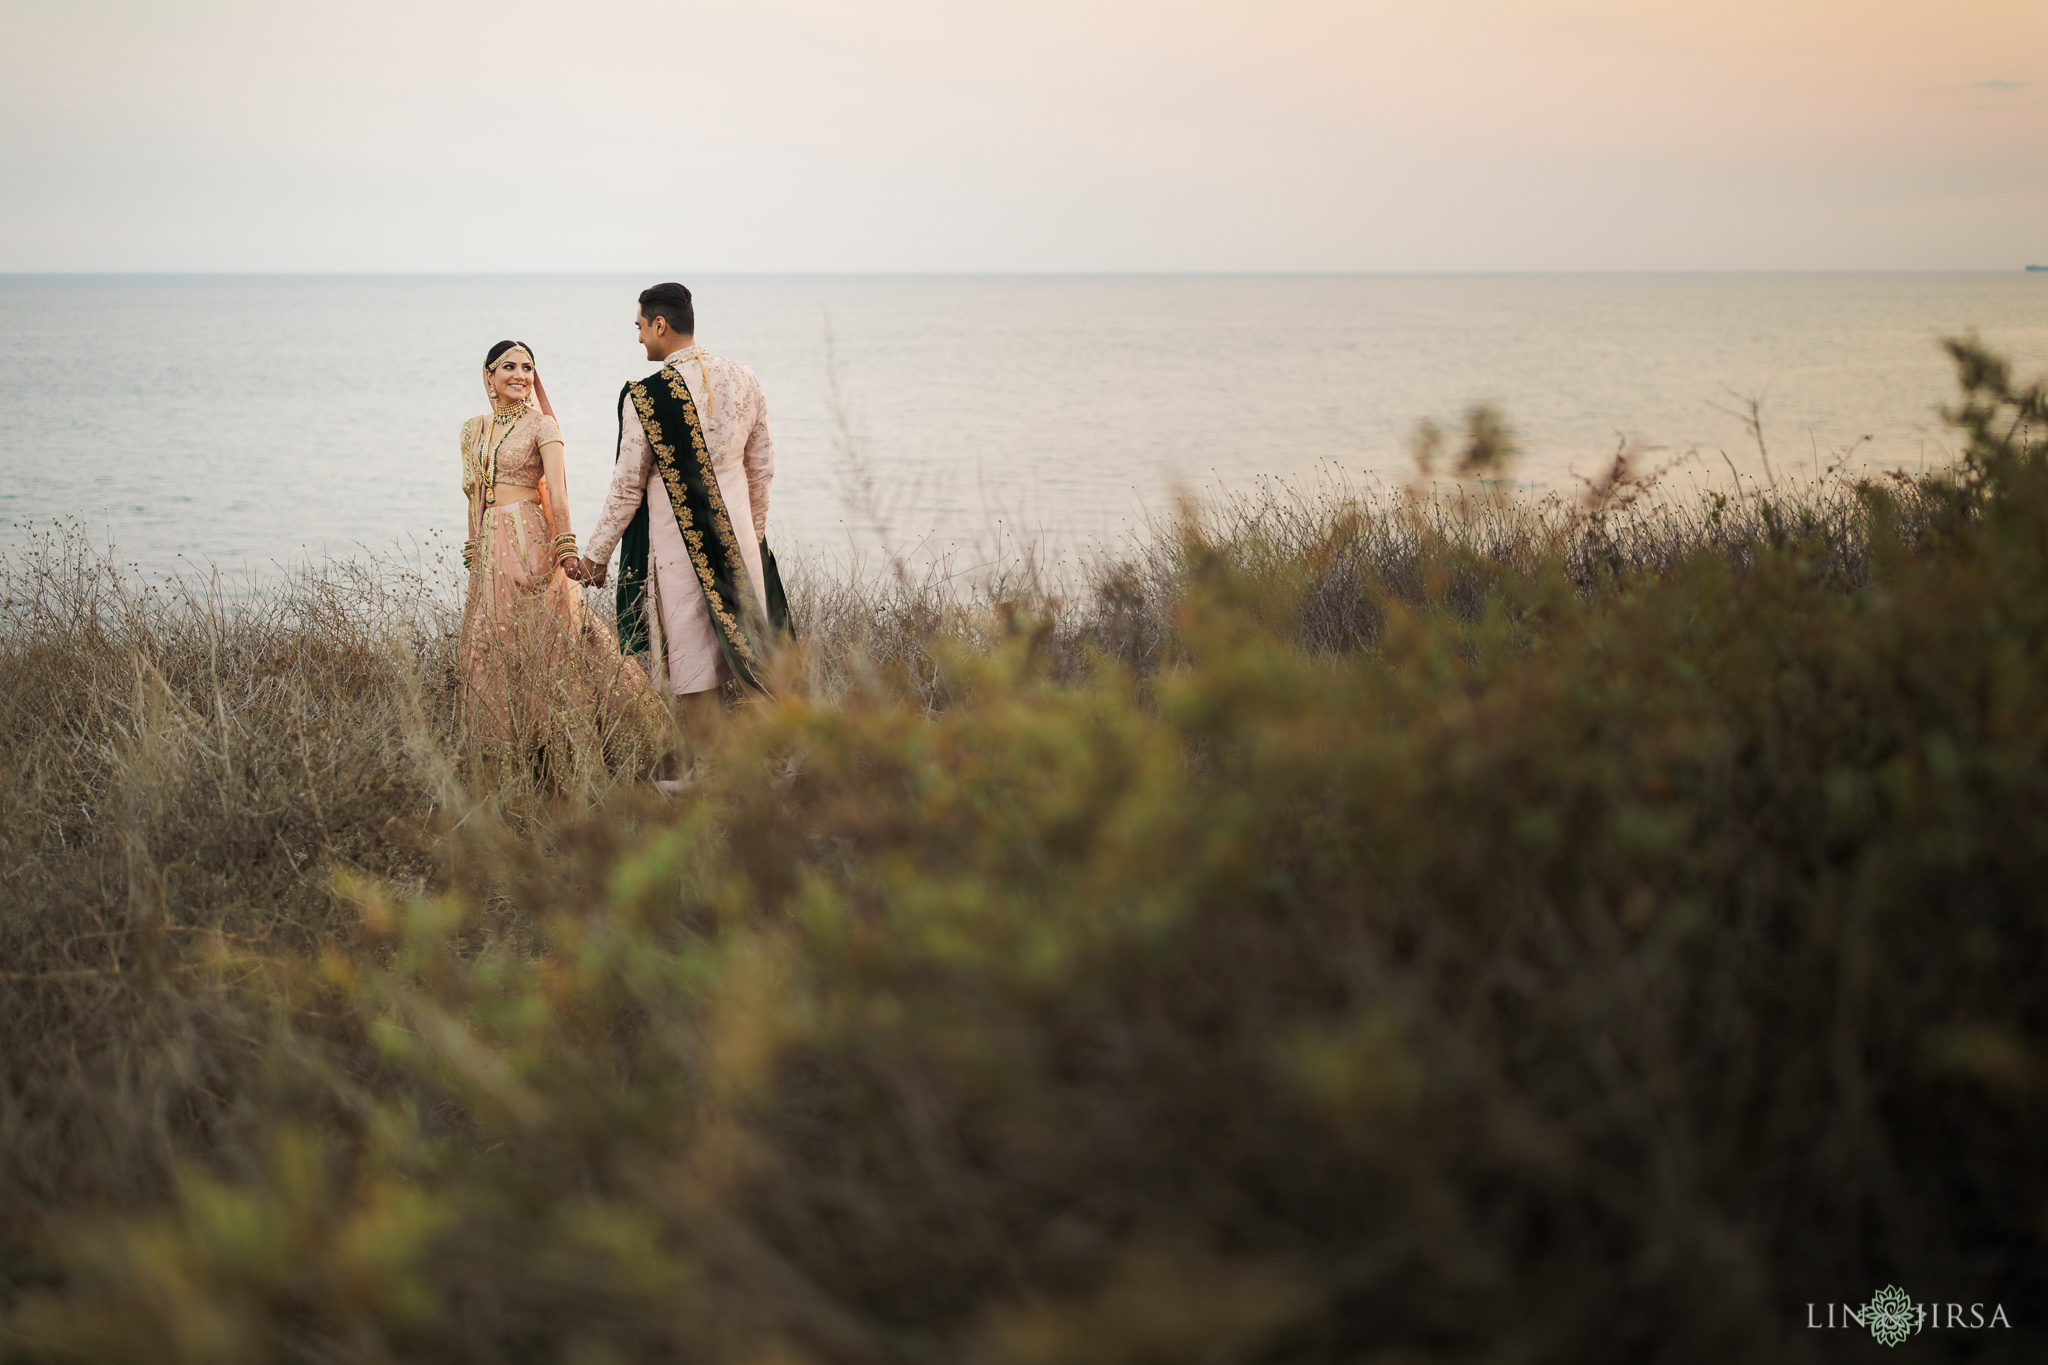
(1437, 936)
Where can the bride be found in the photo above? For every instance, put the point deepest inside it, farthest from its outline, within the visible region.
(536, 665)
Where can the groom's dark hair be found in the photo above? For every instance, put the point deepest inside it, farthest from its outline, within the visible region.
(670, 301)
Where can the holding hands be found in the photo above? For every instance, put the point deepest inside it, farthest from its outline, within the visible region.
(586, 571)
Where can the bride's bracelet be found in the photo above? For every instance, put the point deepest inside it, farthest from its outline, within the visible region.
(471, 553)
(565, 548)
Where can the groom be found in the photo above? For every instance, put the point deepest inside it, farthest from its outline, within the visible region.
(698, 592)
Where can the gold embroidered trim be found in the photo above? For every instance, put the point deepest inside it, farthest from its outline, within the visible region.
(693, 538)
(721, 522)
(469, 472)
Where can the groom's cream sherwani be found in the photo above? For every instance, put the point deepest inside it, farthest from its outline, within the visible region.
(734, 416)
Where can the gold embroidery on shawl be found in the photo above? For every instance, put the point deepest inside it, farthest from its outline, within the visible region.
(721, 522)
(693, 538)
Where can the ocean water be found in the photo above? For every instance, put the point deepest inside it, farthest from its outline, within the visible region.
(256, 421)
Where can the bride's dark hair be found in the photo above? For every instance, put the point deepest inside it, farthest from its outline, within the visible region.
(504, 346)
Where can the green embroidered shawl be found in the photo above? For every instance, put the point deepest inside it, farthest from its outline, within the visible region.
(683, 463)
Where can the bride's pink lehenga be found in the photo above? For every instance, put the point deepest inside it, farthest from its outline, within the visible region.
(538, 668)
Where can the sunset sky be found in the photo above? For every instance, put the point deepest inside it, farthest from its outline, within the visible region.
(907, 135)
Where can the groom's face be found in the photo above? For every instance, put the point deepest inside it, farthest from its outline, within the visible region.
(654, 336)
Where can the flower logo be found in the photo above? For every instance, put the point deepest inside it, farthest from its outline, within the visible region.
(1891, 1315)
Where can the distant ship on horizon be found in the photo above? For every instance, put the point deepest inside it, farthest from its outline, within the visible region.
(2038, 267)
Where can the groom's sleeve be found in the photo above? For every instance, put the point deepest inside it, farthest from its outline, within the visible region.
(628, 487)
(760, 464)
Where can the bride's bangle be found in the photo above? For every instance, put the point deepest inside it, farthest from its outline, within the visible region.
(565, 548)
(471, 552)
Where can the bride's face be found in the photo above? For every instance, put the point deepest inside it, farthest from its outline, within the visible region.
(512, 377)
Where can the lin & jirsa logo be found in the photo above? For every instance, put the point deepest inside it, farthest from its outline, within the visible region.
(1891, 1316)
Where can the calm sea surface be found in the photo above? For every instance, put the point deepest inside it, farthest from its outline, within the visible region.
(250, 421)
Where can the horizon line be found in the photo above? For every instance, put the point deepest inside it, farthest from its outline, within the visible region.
(2021, 268)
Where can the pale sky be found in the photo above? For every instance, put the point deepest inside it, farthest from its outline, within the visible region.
(677, 138)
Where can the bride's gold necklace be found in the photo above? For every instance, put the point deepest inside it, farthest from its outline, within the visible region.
(508, 418)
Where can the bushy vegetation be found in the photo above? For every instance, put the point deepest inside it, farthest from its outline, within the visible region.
(1431, 930)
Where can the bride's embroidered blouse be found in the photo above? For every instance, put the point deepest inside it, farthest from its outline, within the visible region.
(519, 458)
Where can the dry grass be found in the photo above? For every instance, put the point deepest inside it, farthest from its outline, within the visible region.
(182, 773)
(1433, 929)
(1333, 556)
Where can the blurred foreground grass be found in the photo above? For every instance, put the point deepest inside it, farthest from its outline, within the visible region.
(1433, 930)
